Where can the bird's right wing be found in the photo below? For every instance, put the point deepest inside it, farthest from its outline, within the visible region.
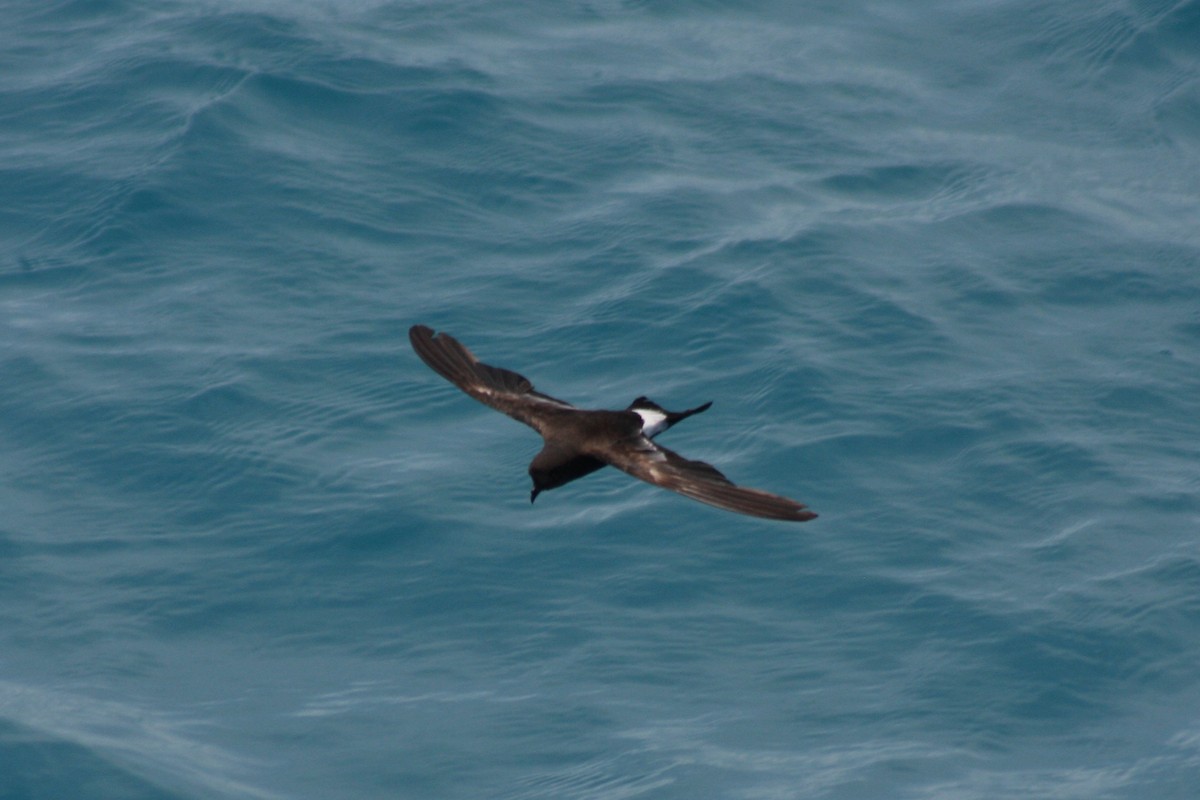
(699, 480)
(502, 389)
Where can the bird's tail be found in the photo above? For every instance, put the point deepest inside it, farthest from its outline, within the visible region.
(676, 416)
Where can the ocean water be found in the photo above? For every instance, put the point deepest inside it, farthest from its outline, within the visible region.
(936, 264)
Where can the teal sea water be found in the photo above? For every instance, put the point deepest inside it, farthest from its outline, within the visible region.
(936, 264)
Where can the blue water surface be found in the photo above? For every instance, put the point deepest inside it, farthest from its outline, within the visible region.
(936, 264)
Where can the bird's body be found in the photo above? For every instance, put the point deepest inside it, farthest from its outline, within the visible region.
(654, 421)
(577, 442)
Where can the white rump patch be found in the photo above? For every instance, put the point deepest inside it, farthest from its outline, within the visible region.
(653, 422)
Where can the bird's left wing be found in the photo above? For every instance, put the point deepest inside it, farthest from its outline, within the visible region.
(698, 480)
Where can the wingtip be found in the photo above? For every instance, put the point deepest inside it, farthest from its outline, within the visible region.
(419, 334)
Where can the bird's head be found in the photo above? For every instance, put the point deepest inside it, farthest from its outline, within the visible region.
(541, 482)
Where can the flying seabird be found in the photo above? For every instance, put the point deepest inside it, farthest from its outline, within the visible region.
(577, 441)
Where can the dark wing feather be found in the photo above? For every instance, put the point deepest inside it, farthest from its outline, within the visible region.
(502, 389)
(698, 480)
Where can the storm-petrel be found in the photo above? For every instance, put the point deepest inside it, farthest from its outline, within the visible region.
(578, 441)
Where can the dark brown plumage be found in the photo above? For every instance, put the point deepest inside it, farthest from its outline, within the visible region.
(578, 442)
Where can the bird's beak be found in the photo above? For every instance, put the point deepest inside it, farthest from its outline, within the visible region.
(533, 495)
